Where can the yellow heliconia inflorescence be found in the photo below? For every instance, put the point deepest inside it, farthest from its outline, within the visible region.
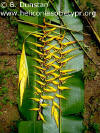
(50, 69)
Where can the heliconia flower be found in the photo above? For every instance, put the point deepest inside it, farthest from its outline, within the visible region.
(60, 96)
(50, 72)
(52, 88)
(37, 52)
(49, 48)
(68, 43)
(41, 75)
(68, 59)
(50, 63)
(64, 78)
(55, 82)
(68, 51)
(40, 82)
(50, 80)
(38, 90)
(40, 68)
(56, 105)
(66, 71)
(47, 31)
(44, 105)
(38, 60)
(41, 116)
(56, 116)
(47, 97)
(49, 90)
(55, 75)
(56, 66)
(36, 35)
(50, 55)
(63, 88)
(35, 99)
(35, 109)
(55, 56)
(36, 44)
(49, 40)
(56, 48)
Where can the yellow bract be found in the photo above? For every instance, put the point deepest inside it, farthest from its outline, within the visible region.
(55, 75)
(38, 60)
(56, 66)
(55, 82)
(41, 75)
(50, 30)
(56, 57)
(35, 109)
(38, 90)
(40, 68)
(50, 55)
(23, 74)
(35, 99)
(36, 35)
(52, 88)
(50, 80)
(68, 59)
(37, 45)
(41, 116)
(56, 116)
(60, 96)
(56, 105)
(40, 82)
(63, 88)
(50, 63)
(44, 105)
(68, 43)
(47, 97)
(49, 72)
(68, 51)
(66, 71)
(37, 52)
(64, 78)
(47, 90)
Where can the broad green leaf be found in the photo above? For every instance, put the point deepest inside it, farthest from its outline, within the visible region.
(30, 127)
(74, 103)
(72, 124)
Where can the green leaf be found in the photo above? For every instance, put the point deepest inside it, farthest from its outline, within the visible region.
(30, 127)
(74, 102)
(72, 124)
